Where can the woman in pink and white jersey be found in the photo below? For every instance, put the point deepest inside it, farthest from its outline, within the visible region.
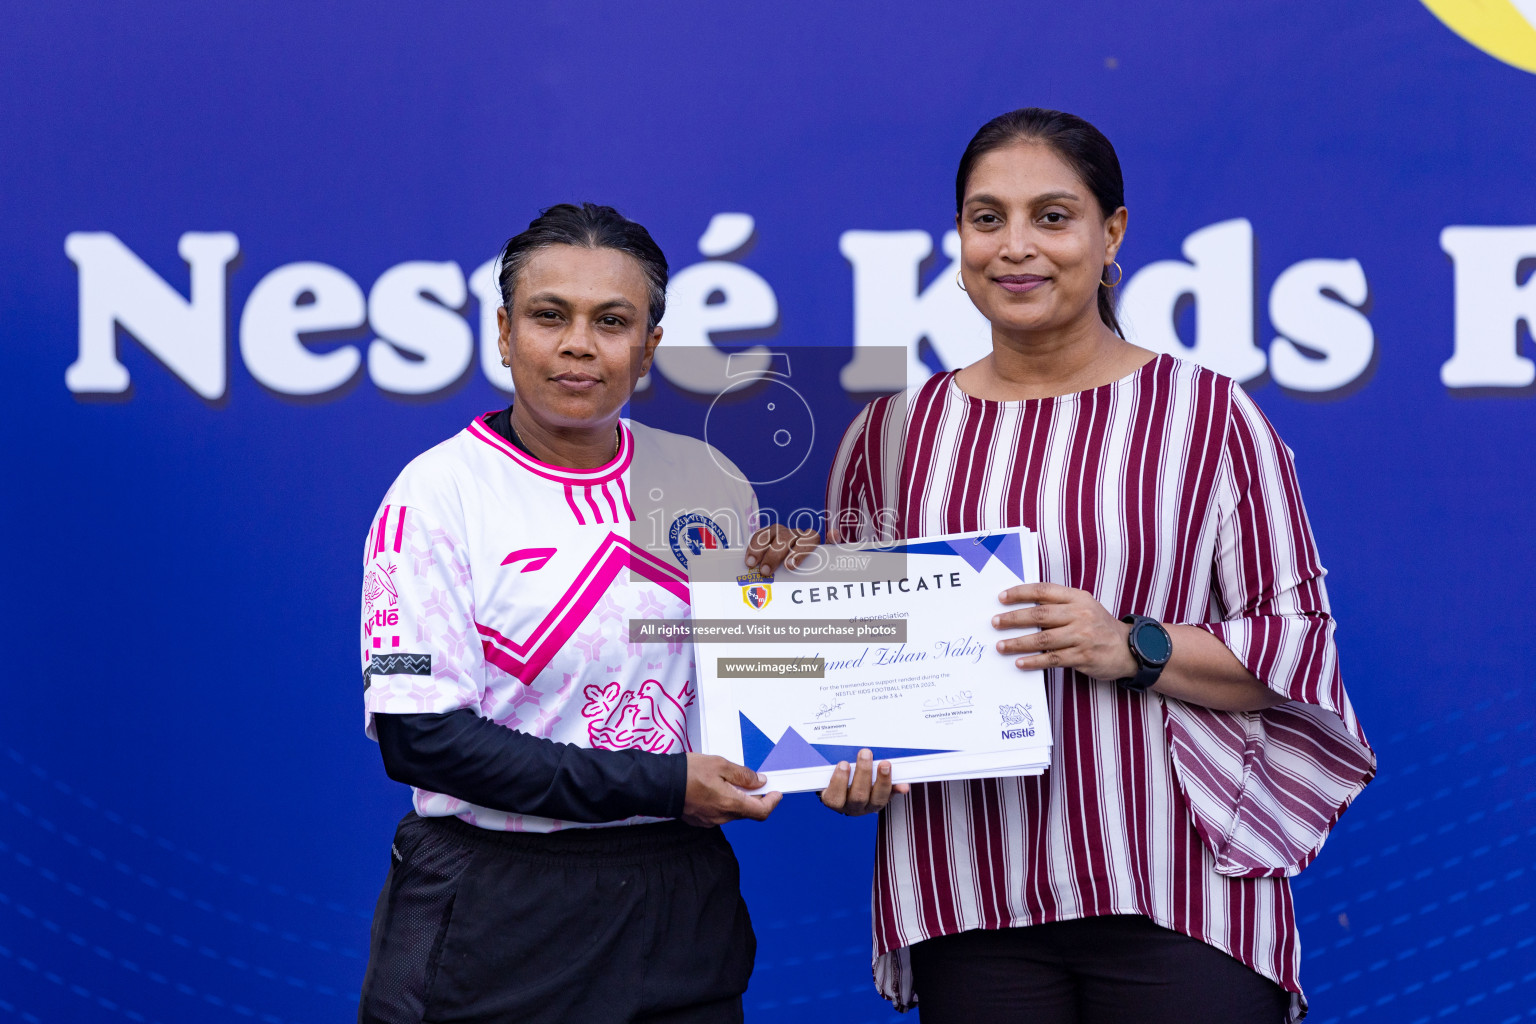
(562, 861)
(1205, 745)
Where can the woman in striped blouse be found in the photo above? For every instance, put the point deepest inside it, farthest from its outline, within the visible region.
(1144, 876)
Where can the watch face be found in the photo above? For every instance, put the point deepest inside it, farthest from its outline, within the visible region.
(1153, 643)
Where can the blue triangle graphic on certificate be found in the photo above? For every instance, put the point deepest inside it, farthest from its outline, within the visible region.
(834, 753)
(975, 551)
(932, 547)
(1011, 553)
(791, 752)
(755, 744)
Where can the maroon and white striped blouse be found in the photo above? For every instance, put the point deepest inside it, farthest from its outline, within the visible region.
(1168, 494)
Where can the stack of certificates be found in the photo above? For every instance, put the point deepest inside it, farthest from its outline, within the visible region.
(889, 649)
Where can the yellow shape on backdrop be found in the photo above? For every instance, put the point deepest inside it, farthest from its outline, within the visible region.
(1497, 27)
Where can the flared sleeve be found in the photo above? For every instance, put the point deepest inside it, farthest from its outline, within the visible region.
(1265, 787)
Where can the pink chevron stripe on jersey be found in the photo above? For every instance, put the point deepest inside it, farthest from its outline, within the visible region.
(527, 659)
(400, 530)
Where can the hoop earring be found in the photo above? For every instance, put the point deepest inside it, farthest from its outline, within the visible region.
(505, 363)
(1121, 277)
(959, 283)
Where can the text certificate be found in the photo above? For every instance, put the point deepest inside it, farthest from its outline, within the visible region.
(802, 670)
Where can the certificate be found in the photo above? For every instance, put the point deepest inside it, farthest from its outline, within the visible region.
(803, 669)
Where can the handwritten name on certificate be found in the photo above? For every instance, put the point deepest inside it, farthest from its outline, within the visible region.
(895, 653)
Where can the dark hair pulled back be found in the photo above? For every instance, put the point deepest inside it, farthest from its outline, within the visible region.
(1077, 142)
(591, 227)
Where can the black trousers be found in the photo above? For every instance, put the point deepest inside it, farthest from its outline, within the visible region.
(1096, 970)
(641, 923)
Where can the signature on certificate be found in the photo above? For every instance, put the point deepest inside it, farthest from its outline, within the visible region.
(827, 709)
(958, 699)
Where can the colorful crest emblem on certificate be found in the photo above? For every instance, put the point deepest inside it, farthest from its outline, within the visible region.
(756, 589)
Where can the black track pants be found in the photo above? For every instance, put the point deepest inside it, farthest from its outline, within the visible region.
(639, 923)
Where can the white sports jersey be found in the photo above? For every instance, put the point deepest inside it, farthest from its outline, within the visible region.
(501, 583)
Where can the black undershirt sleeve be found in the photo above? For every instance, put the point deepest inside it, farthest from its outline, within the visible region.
(472, 758)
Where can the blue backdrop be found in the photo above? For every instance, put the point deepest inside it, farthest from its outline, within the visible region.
(192, 825)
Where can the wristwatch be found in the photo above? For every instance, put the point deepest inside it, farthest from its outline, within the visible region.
(1151, 646)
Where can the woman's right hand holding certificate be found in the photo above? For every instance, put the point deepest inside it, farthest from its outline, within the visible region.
(867, 791)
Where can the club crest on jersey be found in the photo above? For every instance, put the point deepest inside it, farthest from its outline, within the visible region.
(698, 533)
(756, 589)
